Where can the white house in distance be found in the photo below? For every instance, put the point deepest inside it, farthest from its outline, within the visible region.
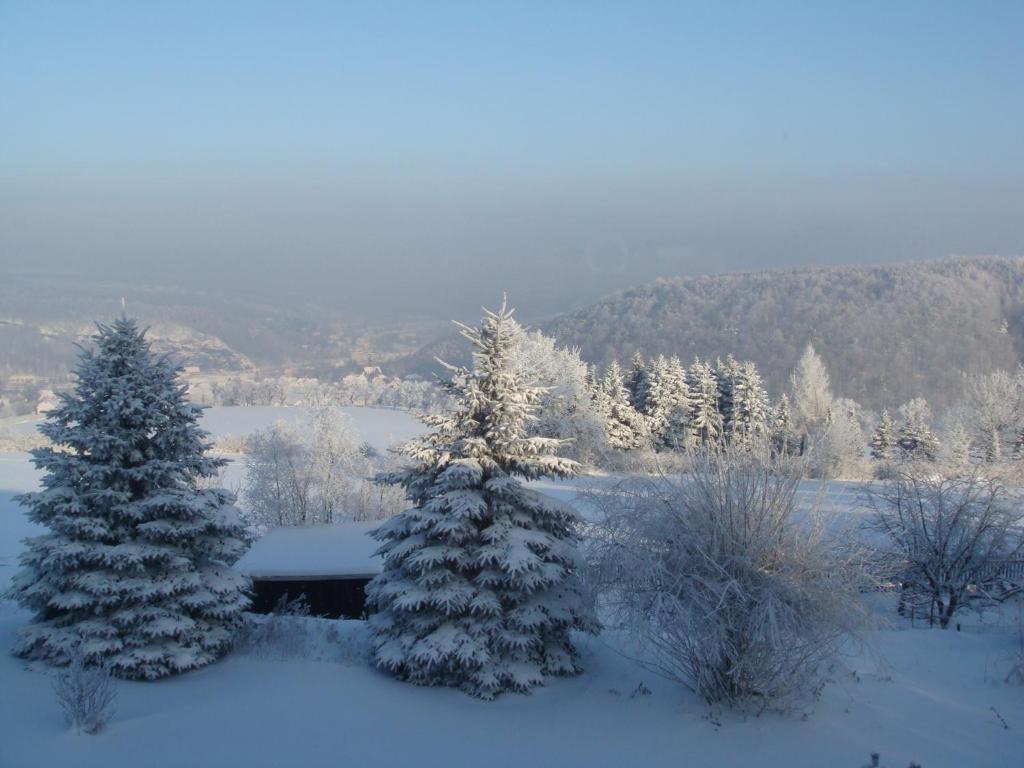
(329, 564)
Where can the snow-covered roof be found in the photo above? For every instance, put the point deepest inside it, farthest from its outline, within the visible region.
(316, 551)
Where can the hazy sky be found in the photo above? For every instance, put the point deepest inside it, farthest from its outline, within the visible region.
(430, 154)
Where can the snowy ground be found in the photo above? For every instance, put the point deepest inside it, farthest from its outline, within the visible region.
(933, 697)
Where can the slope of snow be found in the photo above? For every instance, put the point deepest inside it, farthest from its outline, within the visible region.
(928, 701)
(929, 696)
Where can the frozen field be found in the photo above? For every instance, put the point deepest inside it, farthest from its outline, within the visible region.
(936, 698)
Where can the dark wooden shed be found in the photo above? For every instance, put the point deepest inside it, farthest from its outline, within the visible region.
(329, 564)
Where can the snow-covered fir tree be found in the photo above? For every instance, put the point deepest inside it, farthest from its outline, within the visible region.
(656, 399)
(956, 446)
(726, 375)
(750, 410)
(479, 588)
(638, 383)
(705, 418)
(627, 427)
(134, 571)
(915, 439)
(883, 441)
(668, 404)
(785, 442)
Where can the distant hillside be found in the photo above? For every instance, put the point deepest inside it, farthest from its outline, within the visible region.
(216, 328)
(887, 333)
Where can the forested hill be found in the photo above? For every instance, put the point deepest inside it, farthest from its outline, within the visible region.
(887, 333)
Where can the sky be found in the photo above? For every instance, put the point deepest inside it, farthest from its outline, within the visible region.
(425, 156)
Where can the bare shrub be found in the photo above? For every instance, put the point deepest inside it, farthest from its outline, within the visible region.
(85, 694)
(947, 536)
(726, 587)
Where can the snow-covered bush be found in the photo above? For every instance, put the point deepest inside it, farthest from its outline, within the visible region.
(288, 634)
(85, 694)
(134, 570)
(946, 535)
(724, 585)
(479, 587)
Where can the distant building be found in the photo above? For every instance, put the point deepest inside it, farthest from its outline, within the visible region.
(48, 400)
(329, 564)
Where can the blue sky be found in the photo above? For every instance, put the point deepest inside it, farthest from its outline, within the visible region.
(681, 136)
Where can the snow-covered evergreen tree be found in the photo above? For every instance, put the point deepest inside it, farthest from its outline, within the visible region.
(883, 441)
(479, 583)
(784, 440)
(915, 439)
(627, 428)
(705, 418)
(656, 400)
(669, 405)
(956, 446)
(638, 383)
(726, 375)
(135, 570)
(750, 409)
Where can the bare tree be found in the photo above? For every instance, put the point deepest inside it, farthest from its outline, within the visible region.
(946, 535)
(278, 484)
(725, 586)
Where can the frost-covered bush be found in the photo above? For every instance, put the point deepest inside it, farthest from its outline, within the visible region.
(565, 407)
(85, 694)
(313, 476)
(726, 587)
(946, 535)
(291, 633)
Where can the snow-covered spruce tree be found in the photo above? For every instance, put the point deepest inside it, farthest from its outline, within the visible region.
(135, 569)
(750, 409)
(916, 441)
(726, 375)
(783, 440)
(668, 405)
(627, 428)
(705, 418)
(884, 438)
(479, 588)
(638, 382)
(955, 451)
(656, 399)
